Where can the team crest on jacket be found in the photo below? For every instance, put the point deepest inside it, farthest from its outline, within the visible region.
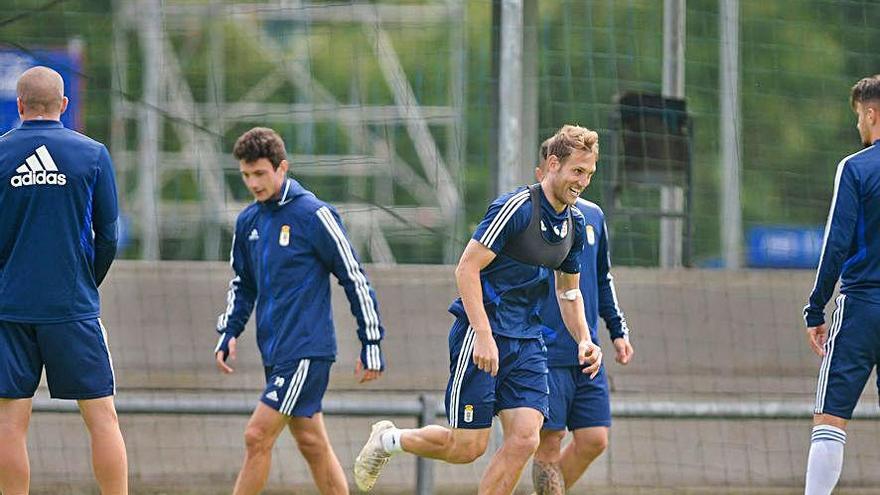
(561, 230)
(591, 235)
(284, 238)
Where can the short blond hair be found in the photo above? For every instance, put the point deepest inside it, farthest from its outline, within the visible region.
(568, 139)
(571, 138)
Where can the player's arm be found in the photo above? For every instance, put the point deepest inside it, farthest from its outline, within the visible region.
(571, 307)
(240, 300)
(336, 252)
(105, 211)
(467, 277)
(609, 309)
(839, 233)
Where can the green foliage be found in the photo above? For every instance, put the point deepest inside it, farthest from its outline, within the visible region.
(798, 60)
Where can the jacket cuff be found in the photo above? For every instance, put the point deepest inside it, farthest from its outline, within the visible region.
(371, 357)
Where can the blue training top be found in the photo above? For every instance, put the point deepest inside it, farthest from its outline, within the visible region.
(851, 248)
(513, 292)
(58, 223)
(597, 291)
(283, 252)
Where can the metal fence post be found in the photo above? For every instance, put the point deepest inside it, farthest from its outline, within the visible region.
(425, 467)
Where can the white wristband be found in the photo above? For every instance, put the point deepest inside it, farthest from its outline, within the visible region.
(570, 295)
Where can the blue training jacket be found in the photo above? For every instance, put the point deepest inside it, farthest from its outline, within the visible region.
(513, 292)
(851, 248)
(58, 223)
(283, 252)
(597, 291)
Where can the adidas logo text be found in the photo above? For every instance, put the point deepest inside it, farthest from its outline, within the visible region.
(38, 169)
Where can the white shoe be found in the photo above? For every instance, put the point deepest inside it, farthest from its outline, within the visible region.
(373, 457)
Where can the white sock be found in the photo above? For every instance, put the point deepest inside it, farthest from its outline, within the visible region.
(391, 441)
(826, 459)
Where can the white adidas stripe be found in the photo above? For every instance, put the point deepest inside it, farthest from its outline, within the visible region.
(40, 161)
(825, 368)
(296, 385)
(504, 214)
(109, 357)
(284, 199)
(617, 310)
(362, 288)
(374, 361)
(464, 359)
(223, 319)
(830, 218)
(219, 342)
(34, 163)
(46, 158)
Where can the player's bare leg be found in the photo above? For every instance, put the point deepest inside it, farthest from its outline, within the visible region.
(522, 428)
(455, 446)
(314, 444)
(15, 415)
(588, 444)
(109, 460)
(259, 437)
(547, 476)
(825, 461)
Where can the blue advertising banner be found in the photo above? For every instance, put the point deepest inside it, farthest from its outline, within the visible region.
(785, 247)
(13, 63)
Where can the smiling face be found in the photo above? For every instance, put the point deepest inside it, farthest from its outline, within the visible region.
(261, 179)
(567, 179)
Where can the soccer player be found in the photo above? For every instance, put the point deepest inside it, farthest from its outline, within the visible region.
(285, 246)
(498, 363)
(851, 252)
(57, 241)
(578, 402)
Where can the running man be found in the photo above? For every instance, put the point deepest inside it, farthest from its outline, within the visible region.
(498, 362)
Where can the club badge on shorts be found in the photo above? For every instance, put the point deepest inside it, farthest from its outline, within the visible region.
(284, 238)
(591, 235)
(468, 413)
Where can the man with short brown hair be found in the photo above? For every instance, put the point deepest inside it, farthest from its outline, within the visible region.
(850, 348)
(285, 246)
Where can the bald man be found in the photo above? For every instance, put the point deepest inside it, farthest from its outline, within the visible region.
(57, 241)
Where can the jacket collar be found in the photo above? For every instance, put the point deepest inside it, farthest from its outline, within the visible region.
(41, 124)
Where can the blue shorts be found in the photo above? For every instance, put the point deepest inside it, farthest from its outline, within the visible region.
(76, 356)
(576, 401)
(852, 350)
(296, 389)
(474, 397)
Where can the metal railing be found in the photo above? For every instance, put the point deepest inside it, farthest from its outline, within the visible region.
(426, 407)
